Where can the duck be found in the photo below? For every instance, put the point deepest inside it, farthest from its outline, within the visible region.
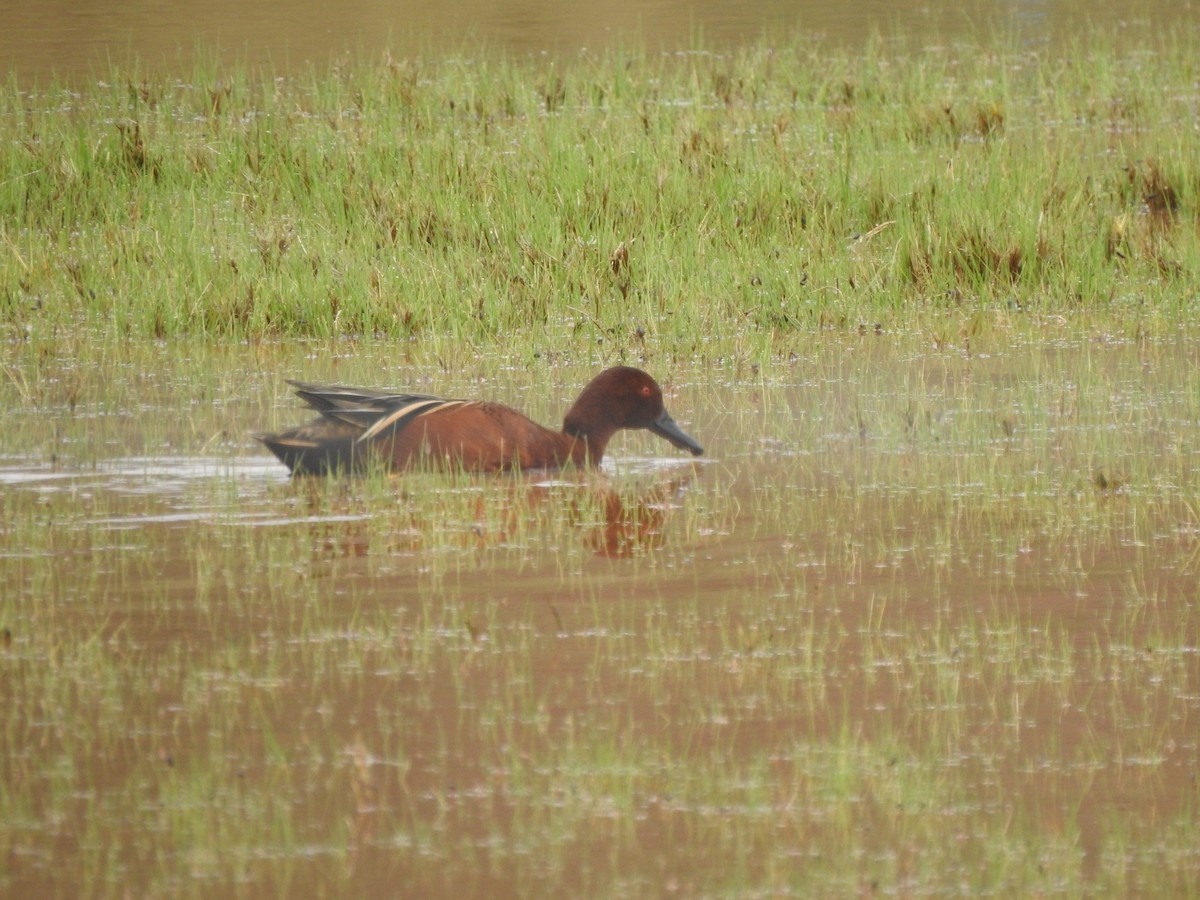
(359, 428)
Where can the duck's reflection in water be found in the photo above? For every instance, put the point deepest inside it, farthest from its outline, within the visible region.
(612, 520)
(636, 522)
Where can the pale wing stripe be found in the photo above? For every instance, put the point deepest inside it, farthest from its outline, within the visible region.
(359, 397)
(410, 411)
(327, 397)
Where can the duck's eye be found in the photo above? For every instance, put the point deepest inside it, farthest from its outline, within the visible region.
(646, 390)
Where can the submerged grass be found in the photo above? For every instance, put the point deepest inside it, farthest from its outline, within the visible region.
(881, 642)
(696, 204)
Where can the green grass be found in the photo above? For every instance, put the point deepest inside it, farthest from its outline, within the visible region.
(696, 205)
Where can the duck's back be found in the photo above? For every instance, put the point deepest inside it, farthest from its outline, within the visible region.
(477, 436)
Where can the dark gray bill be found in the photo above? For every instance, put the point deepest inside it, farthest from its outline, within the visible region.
(665, 427)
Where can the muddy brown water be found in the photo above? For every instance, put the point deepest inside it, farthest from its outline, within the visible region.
(976, 571)
(80, 40)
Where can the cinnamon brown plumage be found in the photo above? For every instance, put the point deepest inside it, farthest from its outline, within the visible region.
(360, 427)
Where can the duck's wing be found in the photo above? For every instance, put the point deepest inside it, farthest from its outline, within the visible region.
(326, 397)
(375, 412)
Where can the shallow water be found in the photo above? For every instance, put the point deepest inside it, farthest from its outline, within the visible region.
(920, 622)
(77, 41)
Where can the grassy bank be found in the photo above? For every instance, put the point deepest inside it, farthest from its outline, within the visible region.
(698, 204)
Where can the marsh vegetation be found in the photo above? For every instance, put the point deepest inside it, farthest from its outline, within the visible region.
(923, 621)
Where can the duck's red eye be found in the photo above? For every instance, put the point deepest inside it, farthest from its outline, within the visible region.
(646, 390)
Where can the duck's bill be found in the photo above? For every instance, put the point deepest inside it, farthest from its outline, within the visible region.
(665, 427)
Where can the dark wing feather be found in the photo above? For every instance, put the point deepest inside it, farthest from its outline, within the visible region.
(324, 397)
(374, 412)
